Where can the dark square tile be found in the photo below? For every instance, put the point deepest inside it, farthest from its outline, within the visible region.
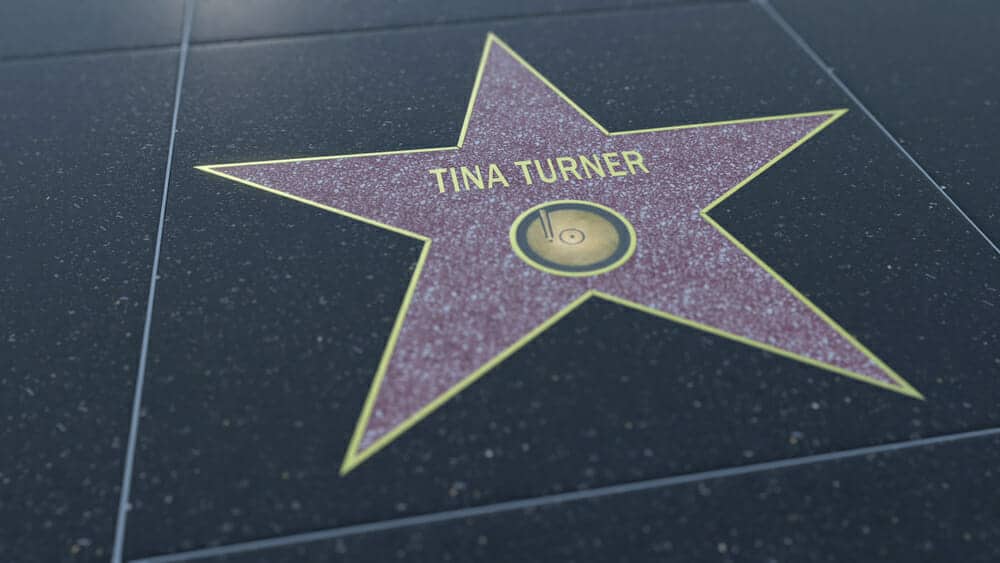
(927, 504)
(271, 315)
(929, 71)
(44, 27)
(82, 158)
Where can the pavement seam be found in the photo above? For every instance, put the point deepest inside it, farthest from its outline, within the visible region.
(126, 488)
(558, 498)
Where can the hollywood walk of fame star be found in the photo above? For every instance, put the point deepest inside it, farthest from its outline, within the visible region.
(479, 292)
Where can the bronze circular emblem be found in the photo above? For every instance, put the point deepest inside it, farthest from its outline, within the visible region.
(572, 238)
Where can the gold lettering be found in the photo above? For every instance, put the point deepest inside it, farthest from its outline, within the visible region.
(548, 170)
(477, 178)
(591, 167)
(636, 160)
(439, 174)
(611, 159)
(523, 165)
(541, 175)
(567, 164)
(496, 176)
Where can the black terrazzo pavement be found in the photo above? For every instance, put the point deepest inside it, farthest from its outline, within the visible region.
(82, 159)
(898, 506)
(930, 74)
(270, 316)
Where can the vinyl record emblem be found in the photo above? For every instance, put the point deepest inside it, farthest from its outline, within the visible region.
(572, 238)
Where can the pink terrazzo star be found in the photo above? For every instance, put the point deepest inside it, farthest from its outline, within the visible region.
(473, 300)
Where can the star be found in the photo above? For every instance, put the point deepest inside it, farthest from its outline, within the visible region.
(490, 277)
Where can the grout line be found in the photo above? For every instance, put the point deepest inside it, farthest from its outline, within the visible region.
(650, 5)
(123, 501)
(784, 25)
(575, 496)
(81, 53)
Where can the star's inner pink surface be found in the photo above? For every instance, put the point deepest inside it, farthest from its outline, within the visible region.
(475, 297)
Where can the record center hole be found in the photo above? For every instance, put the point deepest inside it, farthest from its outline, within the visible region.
(571, 236)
